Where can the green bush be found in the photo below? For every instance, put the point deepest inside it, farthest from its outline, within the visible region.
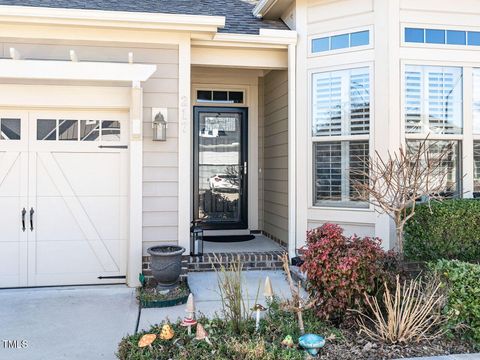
(463, 290)
(450, 230)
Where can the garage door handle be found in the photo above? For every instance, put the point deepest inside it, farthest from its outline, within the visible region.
(23, 219)
(31, 218)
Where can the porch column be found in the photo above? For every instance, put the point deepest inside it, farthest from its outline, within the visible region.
(184, 144)
(292, 183)
(135, 252)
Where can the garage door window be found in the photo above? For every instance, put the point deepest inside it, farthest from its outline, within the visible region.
(110, 131)
(78, 130)
(46, 129)
(89, 130)
(10, 129)
(68, 130)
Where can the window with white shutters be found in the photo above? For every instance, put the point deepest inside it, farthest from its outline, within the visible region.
(341, 102)
(433, 100)
(340, 133)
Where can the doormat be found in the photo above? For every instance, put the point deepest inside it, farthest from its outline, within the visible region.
(229, 238)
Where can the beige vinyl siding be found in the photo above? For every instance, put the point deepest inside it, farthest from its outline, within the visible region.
(325, 16)
(275, 155)
(160, 167)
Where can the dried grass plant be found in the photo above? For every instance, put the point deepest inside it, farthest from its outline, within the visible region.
(411, 314)
(234, 296)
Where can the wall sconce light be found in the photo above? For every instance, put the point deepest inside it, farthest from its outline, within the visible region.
(159, 124)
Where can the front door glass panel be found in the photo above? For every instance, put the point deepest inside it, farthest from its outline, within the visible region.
(220, 168)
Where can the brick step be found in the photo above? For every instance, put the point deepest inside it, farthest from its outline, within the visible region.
(251, 261)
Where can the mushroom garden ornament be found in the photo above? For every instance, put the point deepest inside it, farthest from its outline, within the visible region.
(312, 343)
(202, 334)
(167, 332)
(257, 308)
(146, 340)
(268, 291)
(188, 323)
(190, 308)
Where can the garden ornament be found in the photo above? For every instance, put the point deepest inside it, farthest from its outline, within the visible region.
(190, 308)
(268, 291)
(167, 332)
(202, 334)
(147, 340)
(257, 308)
(288, 341)
(312, 343)
(188, 322)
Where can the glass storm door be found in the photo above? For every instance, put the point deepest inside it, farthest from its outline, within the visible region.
(220, 167)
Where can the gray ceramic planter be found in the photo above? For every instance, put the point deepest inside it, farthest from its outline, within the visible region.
(166, 264)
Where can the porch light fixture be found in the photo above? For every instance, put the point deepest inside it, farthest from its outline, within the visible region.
(196, 239)
(159, 124)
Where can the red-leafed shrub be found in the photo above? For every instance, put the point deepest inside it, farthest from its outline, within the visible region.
(340, 270)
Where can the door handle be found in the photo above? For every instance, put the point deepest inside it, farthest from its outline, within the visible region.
(23, 219)
(245, 169)
(31, 218)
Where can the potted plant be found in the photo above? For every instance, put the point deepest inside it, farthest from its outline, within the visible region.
(166, 264)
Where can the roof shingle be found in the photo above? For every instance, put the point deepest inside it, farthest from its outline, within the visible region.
(238, 13)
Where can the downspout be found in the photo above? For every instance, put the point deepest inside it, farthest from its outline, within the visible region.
(292, 180)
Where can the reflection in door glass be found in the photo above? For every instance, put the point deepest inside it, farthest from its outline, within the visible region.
(89, 130)
(46, 129)
(68, 130)
(219, 167)
(9, 129)
(110, 131)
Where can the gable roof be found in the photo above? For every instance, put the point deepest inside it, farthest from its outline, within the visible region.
(238, 13)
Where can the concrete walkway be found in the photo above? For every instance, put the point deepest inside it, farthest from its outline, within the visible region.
(88, 322)
(207, 299)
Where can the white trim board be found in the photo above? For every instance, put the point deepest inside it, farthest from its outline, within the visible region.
(71, 70)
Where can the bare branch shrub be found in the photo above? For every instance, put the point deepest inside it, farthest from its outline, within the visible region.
(412, 313)
(396, 182)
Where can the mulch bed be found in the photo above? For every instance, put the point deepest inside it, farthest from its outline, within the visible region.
(355, 347)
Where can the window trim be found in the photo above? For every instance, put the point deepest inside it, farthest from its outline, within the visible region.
(312, 37)
(312, 139)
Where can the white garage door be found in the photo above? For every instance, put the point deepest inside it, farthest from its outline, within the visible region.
(63, 197)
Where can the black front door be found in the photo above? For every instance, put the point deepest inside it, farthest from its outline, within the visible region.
(220, 167)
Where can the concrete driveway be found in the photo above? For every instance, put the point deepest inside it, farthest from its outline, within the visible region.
(65, 323)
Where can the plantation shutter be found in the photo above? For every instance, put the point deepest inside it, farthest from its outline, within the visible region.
(433, 100)
(341, 103)
(359, 102)
(413, 100)
(327, 104)
(328, 170)
(476, 101)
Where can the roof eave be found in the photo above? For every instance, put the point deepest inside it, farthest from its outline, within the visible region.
(271, 9)
(116, 19)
